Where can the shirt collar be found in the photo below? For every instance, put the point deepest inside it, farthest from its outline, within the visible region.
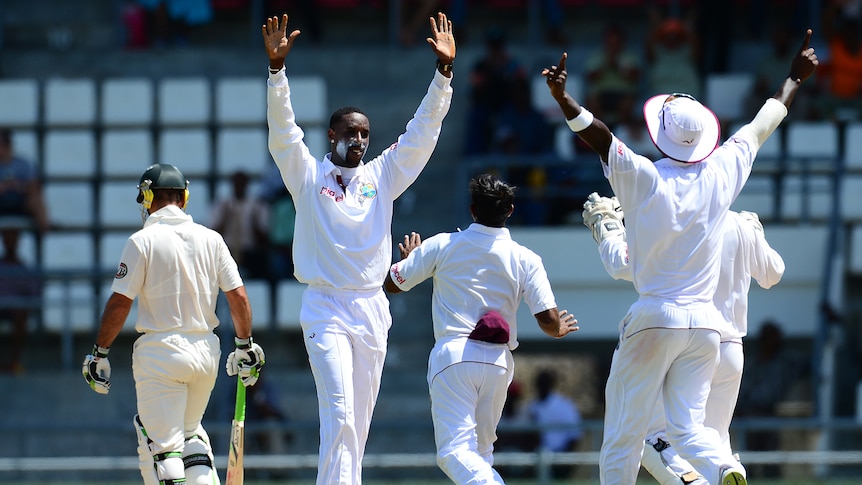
(490, 231)
(329, 167)
(169, 214)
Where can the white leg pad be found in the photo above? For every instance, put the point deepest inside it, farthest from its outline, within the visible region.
(164, 468)
(198, 460)
(145, 456)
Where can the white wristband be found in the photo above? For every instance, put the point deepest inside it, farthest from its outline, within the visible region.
(581, 121)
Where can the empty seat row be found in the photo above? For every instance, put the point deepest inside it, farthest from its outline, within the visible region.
(74, 305)
(128, 152)
(143, 101)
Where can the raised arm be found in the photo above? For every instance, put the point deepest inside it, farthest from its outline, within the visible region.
(593, 131)
(442, 40)
(276, 41)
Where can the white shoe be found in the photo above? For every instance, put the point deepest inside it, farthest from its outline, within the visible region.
(731, 476)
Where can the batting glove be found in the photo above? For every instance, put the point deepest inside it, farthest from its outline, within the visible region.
(753, 219)
(97, 370)
(246, 361)
(604, 216)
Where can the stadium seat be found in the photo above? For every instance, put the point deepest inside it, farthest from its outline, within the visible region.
(26, 144)
(261, 303)
(69, 153)
(316, 140)
(758, 196)
(853, 146)
(64, 251)
(851, 197)
(288, 302)
(814, 143)
(70, 102)
(806, 198)
(242, 149)
(855, 252)
(69, 203)
(111, 244)
(184, 101)
(69, 303)
(27, 248)
(241, 100)
(20, 101)
(726, 94)
(117, 206)
(190, 149)
(771, 155)
(127, 102)
(543, 101)
(308, 95)
(126, 152)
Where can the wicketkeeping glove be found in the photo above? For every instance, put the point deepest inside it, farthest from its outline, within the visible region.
(753, 219)
(604, 216)
(246, 361)
(97, 370)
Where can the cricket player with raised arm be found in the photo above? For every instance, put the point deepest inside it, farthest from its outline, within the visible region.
(480, 277)
(676, 208)
(175, 268)
(343, 244)
(745, 255)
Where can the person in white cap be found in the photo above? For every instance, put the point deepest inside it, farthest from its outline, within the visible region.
(676, 209)
(746, 255)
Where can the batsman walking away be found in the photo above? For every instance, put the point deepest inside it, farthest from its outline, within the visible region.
(343, 243)
(676, 208)
(175, 268)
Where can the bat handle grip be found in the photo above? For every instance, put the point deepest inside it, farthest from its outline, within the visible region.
(239, 409)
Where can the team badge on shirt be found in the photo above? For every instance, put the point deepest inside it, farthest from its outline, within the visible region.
(368, 191)
(122, 271)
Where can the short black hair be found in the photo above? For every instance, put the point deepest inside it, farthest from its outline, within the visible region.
(340, 113)
(491, 199)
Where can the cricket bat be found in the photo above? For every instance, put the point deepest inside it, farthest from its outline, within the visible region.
(237, 438)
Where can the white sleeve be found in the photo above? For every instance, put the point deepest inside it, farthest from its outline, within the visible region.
(633, 178)
(614, 252)
(767, 266)
(297, 166)
(538, 294)
(418, 266)
(131, 272)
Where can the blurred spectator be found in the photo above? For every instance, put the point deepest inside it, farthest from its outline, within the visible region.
(243, 221)
(672, 54)
(768, 374)
(21, 202)
(491, 81)
(521, 128)
(842, 72)
(559, 416)
(612, 77)
(20, 290)
(171, 21)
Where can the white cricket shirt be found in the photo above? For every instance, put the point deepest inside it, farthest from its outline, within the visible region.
(343, 236)
(745, 255)
(175, 267)
(474, 271)
(674, 217)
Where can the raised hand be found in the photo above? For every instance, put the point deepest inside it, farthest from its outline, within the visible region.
(275, 39)
(805, 62)
(410, 243)
(442, 38)
(568, 324)
(555, 76)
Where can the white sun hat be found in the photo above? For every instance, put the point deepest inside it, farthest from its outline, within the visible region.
(682, 128)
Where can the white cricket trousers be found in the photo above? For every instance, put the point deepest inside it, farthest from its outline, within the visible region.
(345, 333)
(675, 365)
(467, 401)
(174, 377)
(720, 405)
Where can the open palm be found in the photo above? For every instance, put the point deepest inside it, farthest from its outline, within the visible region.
(275, 39)
(442, 38)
